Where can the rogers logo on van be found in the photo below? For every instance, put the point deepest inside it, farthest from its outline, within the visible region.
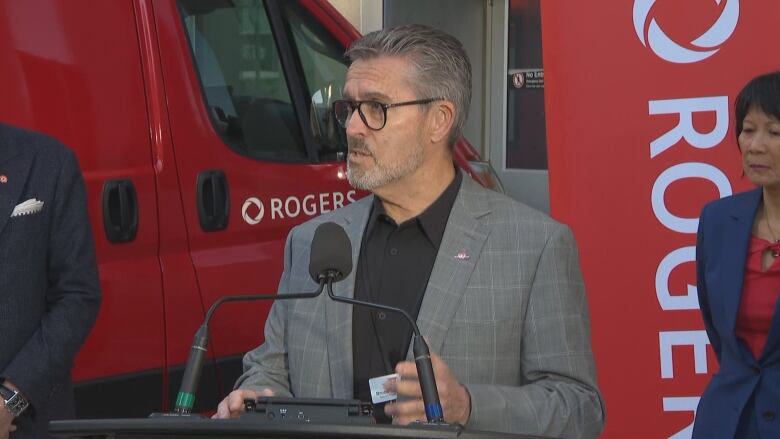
(254, 210)
(699, 49)
(258, 208)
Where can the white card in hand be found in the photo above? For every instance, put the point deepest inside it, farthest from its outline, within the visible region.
(377, 387)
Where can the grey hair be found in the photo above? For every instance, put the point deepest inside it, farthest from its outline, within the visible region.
(441, 67)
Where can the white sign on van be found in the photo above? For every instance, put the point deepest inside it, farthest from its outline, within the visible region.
(254, 209)
(259, 211)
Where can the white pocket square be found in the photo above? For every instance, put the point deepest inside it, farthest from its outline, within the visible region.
(28, 207)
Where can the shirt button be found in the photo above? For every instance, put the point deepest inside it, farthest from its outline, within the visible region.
(393, 251)
(381, 315)
(769, 415)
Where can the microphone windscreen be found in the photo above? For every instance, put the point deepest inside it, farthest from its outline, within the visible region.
(331, 251)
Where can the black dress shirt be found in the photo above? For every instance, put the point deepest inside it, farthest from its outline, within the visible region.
(393, 269)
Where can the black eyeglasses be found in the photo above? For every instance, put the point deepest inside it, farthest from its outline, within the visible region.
(373, 113)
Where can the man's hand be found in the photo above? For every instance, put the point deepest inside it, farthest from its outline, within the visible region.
(454, 398)
(6, 418)
(6, 421)
(233, 404)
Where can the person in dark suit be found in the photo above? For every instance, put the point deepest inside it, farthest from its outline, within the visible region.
(49, 288)
(738, 277)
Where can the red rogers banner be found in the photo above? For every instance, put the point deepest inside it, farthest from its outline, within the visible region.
(639, 100)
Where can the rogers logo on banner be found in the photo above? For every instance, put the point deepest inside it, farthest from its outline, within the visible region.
(697, 50)
(681, 134)
(654, 144)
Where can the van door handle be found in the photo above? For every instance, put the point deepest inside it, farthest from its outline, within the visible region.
(120, 210)
(213, 200)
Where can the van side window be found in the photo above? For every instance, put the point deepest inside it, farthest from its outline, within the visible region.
(243, 83)
(324, 70)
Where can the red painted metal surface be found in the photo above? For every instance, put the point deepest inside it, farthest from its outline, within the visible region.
(336, 24)
(243, 258)
(116, 82)
(183, 308)
(78, 78)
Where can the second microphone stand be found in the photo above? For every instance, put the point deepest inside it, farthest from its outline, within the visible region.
(422, 355)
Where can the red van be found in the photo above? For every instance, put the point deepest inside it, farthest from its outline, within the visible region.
(204, 131)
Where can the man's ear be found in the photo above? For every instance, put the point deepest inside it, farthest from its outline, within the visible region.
(441, 117)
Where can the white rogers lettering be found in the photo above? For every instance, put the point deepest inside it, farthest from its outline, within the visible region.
(324, 203)
(668, 339)
(292, 207)
(679, 172)
(684, 133)
(682, 404)
(685, 108)
(673, 260)
(309, 206)
(338, 200)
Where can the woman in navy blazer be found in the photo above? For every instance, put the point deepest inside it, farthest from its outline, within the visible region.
(738, 277)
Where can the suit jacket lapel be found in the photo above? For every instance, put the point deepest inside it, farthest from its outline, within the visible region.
(15, 164)
(773, 338)
(458, 254)
(339, 315)
(736, 240)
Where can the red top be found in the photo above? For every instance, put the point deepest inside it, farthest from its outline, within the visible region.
(759, 294)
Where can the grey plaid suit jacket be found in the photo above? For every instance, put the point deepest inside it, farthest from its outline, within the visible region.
(510, 319)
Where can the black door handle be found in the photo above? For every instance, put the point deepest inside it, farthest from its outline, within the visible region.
(120, 210)
(213, 200)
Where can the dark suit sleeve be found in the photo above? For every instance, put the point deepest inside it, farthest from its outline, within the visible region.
(701, 284)
(73, 293)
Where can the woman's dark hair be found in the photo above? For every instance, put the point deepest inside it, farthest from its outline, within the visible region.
(761, 93)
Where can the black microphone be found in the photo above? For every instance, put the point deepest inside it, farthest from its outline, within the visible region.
(331, 253)
(325, 266)
(338, 253)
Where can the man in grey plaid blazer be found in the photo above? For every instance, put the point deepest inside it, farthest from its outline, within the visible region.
(504, 310)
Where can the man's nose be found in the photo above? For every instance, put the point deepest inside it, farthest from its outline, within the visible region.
(355, 124)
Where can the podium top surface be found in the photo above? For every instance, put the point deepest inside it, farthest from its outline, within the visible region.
(193, 427)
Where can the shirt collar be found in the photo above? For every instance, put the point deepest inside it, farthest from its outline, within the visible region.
(433, 220)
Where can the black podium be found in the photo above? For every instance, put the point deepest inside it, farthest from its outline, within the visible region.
(174, 428)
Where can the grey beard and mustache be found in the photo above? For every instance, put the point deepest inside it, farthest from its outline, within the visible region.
(382, 173)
